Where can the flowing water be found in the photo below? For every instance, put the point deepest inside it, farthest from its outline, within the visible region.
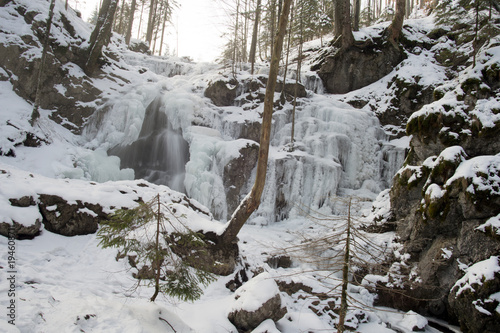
(160, 153)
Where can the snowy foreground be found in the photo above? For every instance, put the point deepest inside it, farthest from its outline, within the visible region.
(70, 284)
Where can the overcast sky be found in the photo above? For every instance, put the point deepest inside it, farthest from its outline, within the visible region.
(199, 23)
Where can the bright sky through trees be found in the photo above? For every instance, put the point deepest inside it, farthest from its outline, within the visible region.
(195, 30)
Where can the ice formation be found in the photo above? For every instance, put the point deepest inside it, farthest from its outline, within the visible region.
(171, 134)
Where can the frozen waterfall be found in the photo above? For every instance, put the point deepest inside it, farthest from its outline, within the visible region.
(169, 133)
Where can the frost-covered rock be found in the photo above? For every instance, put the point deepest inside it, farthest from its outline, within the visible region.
(65, 88)
(69, 219)
(256, 301)
(222, 93)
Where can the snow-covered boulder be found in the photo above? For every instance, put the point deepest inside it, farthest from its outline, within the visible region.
(414, 322)
(256, 301)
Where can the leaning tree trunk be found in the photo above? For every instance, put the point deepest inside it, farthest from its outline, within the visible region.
(252, 200)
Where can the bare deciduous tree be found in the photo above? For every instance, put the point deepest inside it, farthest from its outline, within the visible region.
(252, 201)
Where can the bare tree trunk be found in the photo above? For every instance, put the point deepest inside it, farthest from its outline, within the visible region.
(357, 12)
(394, 30)
(140, 20)
(157, 14)
(290, 25)
(120, 25)
(343, 27)
(157, 252)
(101, 34)
(272, 22)
(165, 18)
(151, 21)
(35, 114)
(345, 275)
(252, 200)
(347, 36)
(235, 43)
(253, 46)
(337, 14)
(244, 54)
(130, 22)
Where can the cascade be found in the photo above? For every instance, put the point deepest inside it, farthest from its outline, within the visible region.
(160, 153)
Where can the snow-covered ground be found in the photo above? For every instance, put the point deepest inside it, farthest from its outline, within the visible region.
(71, 284)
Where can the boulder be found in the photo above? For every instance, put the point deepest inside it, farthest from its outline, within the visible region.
(222, 92)
(475, 294)
(256, 301)
(20, 231)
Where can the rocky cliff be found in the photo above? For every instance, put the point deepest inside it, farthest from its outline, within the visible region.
(445, 201)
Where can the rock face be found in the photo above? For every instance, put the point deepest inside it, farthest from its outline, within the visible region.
(255, 302)
(442, 200)
(408, 98)
(228, 92)
(65, 88)
(358, 66)
(236, 175)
